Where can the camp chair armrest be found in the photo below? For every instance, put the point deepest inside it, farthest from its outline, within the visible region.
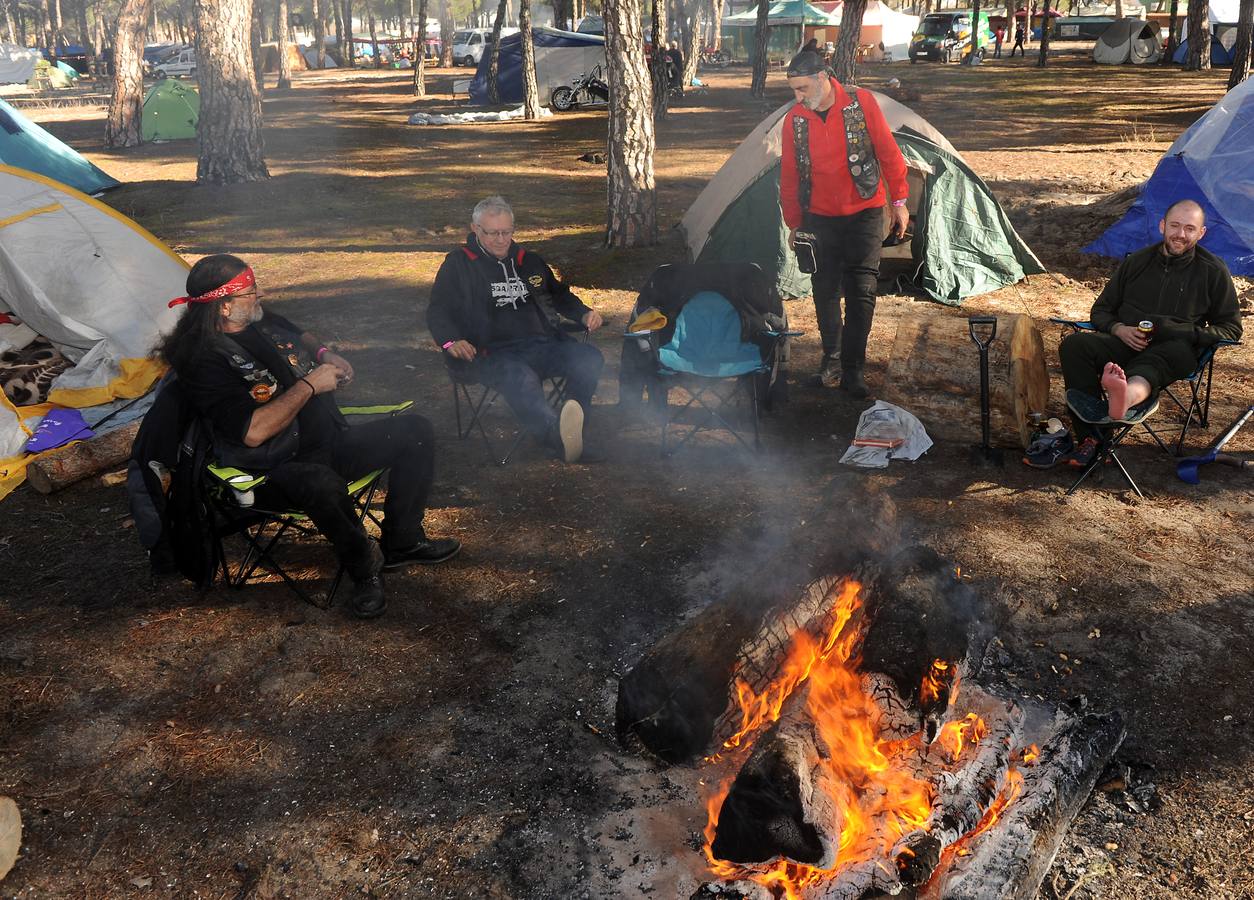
(236, 479)
(390, 409)
(1073, 324)
(780, 334)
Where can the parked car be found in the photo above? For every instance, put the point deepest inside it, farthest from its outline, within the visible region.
(178, 65)
(946, 36)
(469, 43)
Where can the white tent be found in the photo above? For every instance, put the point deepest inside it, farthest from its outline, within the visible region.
(93, 283)
(1128, 41)
(17, 64)
(311, 59)
(883, 24)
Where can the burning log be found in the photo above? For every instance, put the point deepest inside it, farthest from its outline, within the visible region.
(676, 701)
(1009, 861)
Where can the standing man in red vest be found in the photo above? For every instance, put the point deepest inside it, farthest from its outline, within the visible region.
(838, 155)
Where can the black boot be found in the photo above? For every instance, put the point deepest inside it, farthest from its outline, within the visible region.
(368, 600)
(852, 383)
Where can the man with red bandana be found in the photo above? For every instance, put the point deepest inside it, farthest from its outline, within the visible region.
(1186, 294)
(837, 156)
(264, 387)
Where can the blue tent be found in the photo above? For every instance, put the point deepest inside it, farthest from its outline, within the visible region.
(1219, 54)
(1211, 163)
(25, 145)
(560, 57)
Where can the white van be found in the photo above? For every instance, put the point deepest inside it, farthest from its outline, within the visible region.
(469, 43)
(181, 63)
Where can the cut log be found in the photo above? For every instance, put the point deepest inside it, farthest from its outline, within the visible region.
(10, 835)
(62, 467)
(678, 702)
(1011, 859)
(934, 372)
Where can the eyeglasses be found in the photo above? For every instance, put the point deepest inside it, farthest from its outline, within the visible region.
(499, 233)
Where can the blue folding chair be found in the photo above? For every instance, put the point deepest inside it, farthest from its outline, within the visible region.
(707, 357)
(1197, 408)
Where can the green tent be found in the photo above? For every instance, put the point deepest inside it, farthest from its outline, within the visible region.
(171, 111)
(963, 243)
(786, 20)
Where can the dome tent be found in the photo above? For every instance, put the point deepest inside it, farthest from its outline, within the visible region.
(963, 243)
(1210, 163)
(1128, 41)
(171, 111)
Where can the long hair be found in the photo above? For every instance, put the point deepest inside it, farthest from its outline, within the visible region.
(200, 322)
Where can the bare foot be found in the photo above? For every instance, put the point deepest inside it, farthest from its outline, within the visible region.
(1115, 384)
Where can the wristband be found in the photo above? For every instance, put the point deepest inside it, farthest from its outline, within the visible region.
(899, 202)
(321, 350)
(310, 383)
(447, 344)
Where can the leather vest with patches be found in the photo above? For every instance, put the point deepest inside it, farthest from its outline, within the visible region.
(864, 167)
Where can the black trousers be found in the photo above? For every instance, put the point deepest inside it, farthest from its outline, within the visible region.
(848, 263)
(314, 483)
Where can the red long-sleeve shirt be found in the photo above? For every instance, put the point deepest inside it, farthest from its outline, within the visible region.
(831, 186)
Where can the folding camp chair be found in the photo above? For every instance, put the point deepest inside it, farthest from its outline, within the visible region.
(1198, 384)
(707, 356)
(1092, 411)
(479, 398)
(232, 493)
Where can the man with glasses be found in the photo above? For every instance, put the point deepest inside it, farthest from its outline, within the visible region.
(495, 311)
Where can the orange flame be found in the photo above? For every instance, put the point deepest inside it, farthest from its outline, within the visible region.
(955, 735)
(1009, 793)
(878, 799)
(1031, 755)
(933, 681)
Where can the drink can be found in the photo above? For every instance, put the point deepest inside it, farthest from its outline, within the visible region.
(1146, 327)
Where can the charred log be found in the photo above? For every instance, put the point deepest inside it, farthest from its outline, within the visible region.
(1010, 861)
(677, 701)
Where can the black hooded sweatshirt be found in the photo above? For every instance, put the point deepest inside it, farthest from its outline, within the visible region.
(490, 302)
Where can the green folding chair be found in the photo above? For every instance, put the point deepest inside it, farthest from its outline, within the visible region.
(262, 529)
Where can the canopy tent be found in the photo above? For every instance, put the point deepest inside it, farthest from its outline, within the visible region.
(1128, 41)
(792, 22)
(881, 24)
(17, 64)
(27, 146)
(560, 57)
(93, 283)
(963, 243)
(1210, 163)
(171, 111)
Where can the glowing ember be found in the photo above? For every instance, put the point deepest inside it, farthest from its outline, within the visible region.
(1032, 755)
(1009, 793)
(879, 801)
(936, 679)
(955, 735)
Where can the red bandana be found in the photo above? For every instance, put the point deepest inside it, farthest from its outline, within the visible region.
(241, 282)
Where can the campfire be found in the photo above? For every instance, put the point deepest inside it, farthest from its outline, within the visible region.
(859, 739)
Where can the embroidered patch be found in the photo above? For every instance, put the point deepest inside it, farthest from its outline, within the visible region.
(262, 392)
(536, 280)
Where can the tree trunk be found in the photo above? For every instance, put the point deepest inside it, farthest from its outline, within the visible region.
(420, 57)
(126, 103)
(285, 64)
(531, 93)
(58, 25)
(446, 35)
(1173, 24)
(716, 33)
(8, 21)
(1241, 49)
(374, 37)
(1118, 9)
(1199, 37)
(1043, 58)
(320, 37)
(632, 196)
(660, 30)
(231, 145)
(259, 60)
(494, 61)
(761, 35)
(973, 52)
(690, 31)
(845, 61)
(84, 37)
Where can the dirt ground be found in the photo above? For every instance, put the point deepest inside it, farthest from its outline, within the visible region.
(161, 742)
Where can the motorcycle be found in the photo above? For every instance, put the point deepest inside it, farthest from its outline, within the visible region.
(588, 89)
(715, 59)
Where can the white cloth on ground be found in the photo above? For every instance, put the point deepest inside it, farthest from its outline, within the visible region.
(886, 432)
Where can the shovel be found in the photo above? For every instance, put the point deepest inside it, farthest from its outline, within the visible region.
(984, 454)
(1187, 468)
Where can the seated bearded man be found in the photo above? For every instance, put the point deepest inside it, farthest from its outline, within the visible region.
(266, 388)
